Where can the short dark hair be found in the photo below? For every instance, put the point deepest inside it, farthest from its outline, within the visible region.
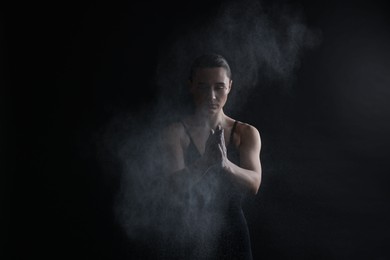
(210, 60)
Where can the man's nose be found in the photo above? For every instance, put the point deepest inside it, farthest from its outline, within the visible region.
(211, 93)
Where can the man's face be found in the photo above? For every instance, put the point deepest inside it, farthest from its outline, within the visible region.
(210, 88)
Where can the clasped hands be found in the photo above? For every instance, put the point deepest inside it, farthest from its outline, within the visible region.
(215, 151)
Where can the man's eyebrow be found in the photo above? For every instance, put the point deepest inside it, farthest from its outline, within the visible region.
(217, 83)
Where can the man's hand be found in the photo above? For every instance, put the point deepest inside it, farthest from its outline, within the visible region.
(215, 151)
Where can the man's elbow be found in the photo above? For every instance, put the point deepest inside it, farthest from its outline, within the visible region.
(256, 184)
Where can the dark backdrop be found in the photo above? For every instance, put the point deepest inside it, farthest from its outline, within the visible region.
(69, 67)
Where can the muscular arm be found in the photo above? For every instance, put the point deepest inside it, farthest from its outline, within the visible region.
(248, 174)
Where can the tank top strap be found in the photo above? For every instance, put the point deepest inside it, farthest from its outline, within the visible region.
(232, 132)
(186, 129)
(188, 133)
(192, 151)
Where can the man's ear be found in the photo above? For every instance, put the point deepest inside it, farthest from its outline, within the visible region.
(230, 86)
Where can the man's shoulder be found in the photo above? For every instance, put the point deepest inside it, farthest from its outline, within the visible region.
(246, 128)
(174, 128)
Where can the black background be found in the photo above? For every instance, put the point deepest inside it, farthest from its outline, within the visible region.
(69, 67)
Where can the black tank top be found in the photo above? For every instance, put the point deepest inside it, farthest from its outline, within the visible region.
(213, 218)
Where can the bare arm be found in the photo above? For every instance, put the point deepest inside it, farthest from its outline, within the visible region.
(248, 174)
